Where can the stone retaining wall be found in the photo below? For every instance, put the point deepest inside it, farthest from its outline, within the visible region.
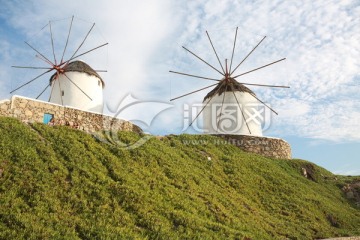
(266, 146)
(31, 110)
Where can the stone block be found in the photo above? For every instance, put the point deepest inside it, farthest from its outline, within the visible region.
(28, 113)
(4, 106)
(17, 112)
(22, 105)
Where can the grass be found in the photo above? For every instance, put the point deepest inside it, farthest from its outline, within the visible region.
(62, 183)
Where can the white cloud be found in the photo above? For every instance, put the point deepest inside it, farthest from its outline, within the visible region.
(319, 38)
(133, 29)
(321, 43)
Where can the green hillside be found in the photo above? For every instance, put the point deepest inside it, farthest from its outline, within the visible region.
(57, 182)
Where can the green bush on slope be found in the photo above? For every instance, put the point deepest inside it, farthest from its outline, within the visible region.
(62, 183)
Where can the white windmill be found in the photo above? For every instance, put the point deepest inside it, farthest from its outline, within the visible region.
(74, 82)
(74, 77)
(226, 108)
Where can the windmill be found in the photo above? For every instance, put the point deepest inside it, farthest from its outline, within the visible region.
(227, 107)
(73, 82)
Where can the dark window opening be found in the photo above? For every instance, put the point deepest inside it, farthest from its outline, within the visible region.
(62, 93)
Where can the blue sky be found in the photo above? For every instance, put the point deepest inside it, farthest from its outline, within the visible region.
(319, 115)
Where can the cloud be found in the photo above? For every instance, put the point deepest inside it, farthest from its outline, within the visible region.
(321, 44)
(320, 40)
(133, 29)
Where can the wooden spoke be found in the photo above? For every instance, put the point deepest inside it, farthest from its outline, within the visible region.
(45, 60)
(31, 67)
(67, 40)
(31, 80)
(222, 104)
(82, 42)
(266, 65)
(40, 54)
(203, 60)
(43, 91)
(212, 45)
(187, 94)
(195, 76)
(232, 55)
(242, 113)
(44, 27)
(204, 107)
(61, 92)
(247, 55)
(52, 89)
(264, 103)
(226, 66)
(72, 58)
(264, 85)
(77, 86)
(52, 43)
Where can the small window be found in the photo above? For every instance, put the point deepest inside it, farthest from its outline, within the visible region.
(99, 83)
(47, 117)
(62, 93)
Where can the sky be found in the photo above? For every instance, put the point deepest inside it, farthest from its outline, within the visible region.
(319, 115)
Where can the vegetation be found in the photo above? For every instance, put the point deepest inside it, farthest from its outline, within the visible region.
(57, 182)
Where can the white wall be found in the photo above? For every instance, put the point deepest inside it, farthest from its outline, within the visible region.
(74, 97)
(231, 120)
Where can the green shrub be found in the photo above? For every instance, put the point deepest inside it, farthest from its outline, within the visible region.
(58, 182)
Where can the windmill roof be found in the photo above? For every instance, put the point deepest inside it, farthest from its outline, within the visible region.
(80, 66)
(228, 86)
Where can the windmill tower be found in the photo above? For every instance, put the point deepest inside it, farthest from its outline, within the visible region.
(73, 83)
(74, 77)
(227, 107)
(223, 104)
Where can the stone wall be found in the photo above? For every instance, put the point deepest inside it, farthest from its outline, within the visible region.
(31, 110)
(266, 146)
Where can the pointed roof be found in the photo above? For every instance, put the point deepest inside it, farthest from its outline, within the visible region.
(228, 85)
(79, 66)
